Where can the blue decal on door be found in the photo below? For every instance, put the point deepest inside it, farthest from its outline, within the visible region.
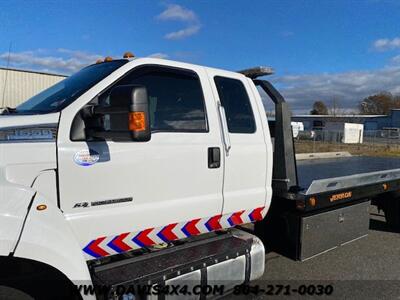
(86, 157)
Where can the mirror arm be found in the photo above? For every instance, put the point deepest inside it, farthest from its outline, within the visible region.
(102, 110)
(125, 118)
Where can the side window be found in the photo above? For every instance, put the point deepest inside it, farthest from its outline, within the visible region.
(176, 98)
(236, 102)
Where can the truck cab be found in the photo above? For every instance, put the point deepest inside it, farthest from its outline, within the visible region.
(149, 172)
(129, 154)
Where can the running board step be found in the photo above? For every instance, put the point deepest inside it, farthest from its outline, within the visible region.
(237, 257)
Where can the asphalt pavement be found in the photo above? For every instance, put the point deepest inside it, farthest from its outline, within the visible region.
(368, 268)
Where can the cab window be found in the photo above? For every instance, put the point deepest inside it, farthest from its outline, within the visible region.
(175, 98)
(236, 102)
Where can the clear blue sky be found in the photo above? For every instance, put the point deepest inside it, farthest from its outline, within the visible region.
(343, 50)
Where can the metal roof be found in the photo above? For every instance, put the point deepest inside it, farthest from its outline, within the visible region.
(34, 72)
(338, 116)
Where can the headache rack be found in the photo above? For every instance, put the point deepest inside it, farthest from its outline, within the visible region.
(284, 179)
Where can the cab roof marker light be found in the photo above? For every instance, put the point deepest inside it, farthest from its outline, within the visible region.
(256, 72)
(128, 54)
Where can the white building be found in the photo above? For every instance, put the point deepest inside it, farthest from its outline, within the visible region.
(16, 86)
(370, 122)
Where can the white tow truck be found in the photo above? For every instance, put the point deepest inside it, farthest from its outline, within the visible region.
(127, 155)
(138, 171)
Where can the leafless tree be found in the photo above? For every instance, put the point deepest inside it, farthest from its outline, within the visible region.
(319, 108)
(379, 104)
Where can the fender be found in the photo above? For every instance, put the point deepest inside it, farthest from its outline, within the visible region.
(47, 237)
(21, 253)
(46, 184)
(15, 201)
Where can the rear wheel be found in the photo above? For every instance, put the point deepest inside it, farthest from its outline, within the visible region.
(392, 214)
(390, 204)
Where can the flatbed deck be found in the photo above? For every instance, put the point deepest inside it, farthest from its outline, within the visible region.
(329, 175)
(331, 207)
(316, 169)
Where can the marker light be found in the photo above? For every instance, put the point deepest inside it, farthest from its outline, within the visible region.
(99, 61)
(128, 55)
(312, 201)
(108, 59)
(385, 186)
(41, 207)
(137, 121)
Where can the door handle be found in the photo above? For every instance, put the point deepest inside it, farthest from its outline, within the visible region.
(214, 157)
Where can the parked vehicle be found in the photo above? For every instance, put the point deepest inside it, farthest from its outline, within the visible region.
(139, 171)
(390, 133)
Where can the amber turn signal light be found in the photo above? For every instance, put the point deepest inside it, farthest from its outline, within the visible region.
(312, 201)
(137, 121)
(41, 207)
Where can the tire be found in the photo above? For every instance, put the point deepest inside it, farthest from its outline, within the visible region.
(22, 278)
(9, 293)
(391, 207)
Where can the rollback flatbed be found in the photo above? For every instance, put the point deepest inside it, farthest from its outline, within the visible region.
(318, 205)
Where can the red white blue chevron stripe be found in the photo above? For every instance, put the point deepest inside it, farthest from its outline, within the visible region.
(123, 242)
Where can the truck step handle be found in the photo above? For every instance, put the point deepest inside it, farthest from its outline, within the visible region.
(214, 157)
(225, 130)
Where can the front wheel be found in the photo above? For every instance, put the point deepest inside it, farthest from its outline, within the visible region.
(22, 278)
(9, 293)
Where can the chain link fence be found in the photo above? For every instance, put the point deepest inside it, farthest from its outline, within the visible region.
(389, 137)
(332, 140)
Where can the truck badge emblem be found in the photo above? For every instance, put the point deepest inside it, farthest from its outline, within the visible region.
(341, 196)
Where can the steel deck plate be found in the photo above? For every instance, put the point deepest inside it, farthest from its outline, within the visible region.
(168, 261)
(317, 176)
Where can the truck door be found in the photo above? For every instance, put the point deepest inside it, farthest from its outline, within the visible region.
(246, 160)
(132, 191)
